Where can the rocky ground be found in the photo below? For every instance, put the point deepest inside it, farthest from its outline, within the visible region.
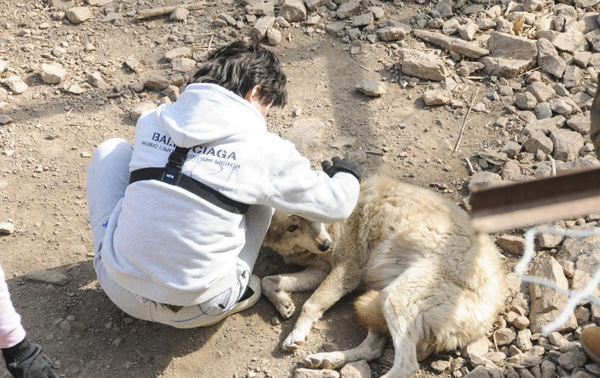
(445, 94)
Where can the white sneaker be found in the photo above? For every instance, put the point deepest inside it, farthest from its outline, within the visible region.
(249, 299)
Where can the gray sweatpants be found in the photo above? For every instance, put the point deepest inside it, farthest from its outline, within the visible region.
(108, 177)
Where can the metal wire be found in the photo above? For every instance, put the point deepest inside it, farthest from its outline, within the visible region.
(574, 296)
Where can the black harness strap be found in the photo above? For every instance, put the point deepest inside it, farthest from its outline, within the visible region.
(171, 174)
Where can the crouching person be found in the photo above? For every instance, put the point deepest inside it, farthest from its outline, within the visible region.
(178, 219)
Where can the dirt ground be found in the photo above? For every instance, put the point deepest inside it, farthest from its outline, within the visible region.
(44, 153)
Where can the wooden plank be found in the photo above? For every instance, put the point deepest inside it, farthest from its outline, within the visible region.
(542, 200)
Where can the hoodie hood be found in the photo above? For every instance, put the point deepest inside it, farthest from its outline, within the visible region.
(205, 113)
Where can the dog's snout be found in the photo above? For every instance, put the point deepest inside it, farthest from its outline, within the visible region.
(325, 245)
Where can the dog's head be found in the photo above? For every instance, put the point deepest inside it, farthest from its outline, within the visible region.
(290, 234)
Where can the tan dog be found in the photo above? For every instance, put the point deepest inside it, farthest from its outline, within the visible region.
(435, 284)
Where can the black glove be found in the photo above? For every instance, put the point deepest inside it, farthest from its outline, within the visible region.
(26, 360)
(340, 165)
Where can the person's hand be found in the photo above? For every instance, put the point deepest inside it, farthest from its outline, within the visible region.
(27, 360)
(342, 165)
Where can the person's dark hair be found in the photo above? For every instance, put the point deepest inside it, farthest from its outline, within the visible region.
(239, 66)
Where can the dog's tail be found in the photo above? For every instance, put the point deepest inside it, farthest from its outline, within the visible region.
(370, 314)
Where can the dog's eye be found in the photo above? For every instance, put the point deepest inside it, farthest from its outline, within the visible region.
(293, 228)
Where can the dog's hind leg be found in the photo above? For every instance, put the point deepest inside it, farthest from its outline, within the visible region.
(340, 281)
(371, 348)
(403, 307)
(277, 288)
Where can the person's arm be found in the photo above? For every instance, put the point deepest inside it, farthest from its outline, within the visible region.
(23, 359)
(298, 189)
(11, 330)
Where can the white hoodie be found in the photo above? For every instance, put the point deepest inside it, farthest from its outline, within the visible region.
(171, 246)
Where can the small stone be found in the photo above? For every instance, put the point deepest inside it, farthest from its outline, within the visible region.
(183, 64)
(372, 88)
(157, 82)
(293, 10)
(75, 89)
(524, 339)
(179, 15)
(525, 101)
(15, 84)
(310, 373)
(440, 366)
(391, 34)
(47, 276)
(78, 15)
(567, 144)
(434, 97)
(5, 119)
(274, 36)
(180, 52)
(511, 244)
(133, 64)
(572, 359)
(7, 228)
(359, 369)
(53, 73)
(484, 179)
(504, 336)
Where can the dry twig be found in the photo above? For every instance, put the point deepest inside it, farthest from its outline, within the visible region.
(462, 129)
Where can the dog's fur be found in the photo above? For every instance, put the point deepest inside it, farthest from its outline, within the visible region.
(434, 283)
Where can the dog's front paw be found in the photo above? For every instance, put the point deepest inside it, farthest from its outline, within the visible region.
(294, 340)
(284, 305)
(333, 360)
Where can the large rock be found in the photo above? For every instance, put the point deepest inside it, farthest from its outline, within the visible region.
(293, 10)
(547, 303)
(549, 60)
(545, 125)
(509, 55)
(510, 46)
(53, 73)
(580, 281)
(422, 65)
(539, 142)
(567, 144)
(575, 248)
(505, 67)
(348, 9)
(579, 123)
(78, 15)
(541, 91)
(435, 97)
(571, 40)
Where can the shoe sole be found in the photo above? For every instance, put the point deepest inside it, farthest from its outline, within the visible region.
(255, 284)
